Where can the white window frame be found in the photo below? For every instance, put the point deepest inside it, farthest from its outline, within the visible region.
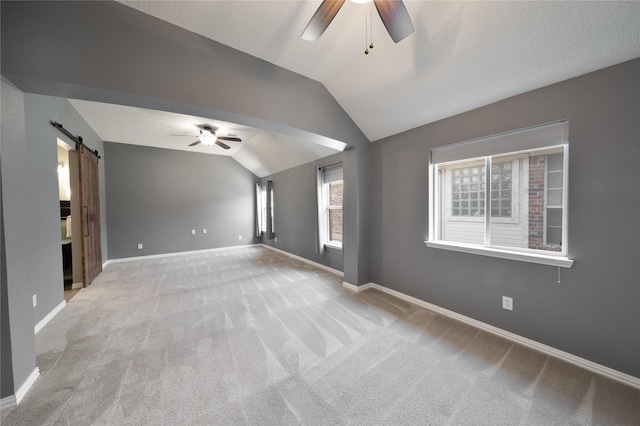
(261, 209)
(265, 224)
(327, 190)
(539, 138)
(546, 204)
(327, 175)
(270, 210)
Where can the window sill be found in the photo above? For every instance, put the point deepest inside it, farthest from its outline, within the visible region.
(332, 245)
(542, 259)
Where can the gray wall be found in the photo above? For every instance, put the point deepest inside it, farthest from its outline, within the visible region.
(31, 214)
(593, 312)
(43, 206)
(157, 196)
(6, 363)
(295, 212)
(19, 343)
(357, 213)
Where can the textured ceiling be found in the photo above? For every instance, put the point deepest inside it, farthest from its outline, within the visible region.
(463, 55)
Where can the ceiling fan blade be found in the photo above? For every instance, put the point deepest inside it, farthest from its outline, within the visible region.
(229, 138)
(223, 145)
(195, 143)
(321, 19)
(395, 17)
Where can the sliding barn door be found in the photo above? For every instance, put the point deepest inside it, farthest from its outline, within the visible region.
(90, 215)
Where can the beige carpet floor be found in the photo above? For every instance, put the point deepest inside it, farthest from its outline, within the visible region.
(250, 336)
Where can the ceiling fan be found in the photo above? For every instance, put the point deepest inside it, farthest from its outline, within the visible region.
(393, 13)
(208, 137)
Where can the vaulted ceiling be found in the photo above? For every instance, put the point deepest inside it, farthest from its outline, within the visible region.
(462, 55)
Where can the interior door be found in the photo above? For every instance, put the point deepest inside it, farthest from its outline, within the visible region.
(90, 215)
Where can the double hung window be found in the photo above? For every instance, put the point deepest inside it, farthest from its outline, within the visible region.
(261, 209)
(265, 224)
(330, 190)
(504, 195)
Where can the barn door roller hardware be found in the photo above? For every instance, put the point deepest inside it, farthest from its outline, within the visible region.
(76, 139)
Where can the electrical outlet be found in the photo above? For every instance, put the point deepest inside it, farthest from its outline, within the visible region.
(507, 303)
(139, 246)
(239, 237)
(204, 231)
(35, 300)
(193, 232)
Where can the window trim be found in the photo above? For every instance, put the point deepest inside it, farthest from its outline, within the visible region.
(333, 244)
(324, 177)
(271, 232)
(560, 261)
(544, 137)
(329, 242)
(261, 210)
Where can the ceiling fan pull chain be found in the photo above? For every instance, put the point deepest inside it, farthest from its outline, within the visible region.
(366, 35)
(370, 26)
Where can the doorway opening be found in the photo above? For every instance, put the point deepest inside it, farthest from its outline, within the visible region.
(70, 231)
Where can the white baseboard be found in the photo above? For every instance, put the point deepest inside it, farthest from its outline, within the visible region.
(178, 253)
(532, 344)
(8, 402)
(13, 400)
(311, 262)
(22, 390)
(357, 288)
(157, 256)
(76, 286)
(49, 316)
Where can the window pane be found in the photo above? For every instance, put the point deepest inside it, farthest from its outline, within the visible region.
(335, 193)
(554, 179)
(263, 219)
(462, 208)
(554, 217)
(555, 162)
(335, 225)
(467, 184)
(526, 199)
(501, 177)
(554, 197)
(554, 237)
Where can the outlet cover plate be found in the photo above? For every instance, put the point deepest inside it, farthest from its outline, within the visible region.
(507, 303)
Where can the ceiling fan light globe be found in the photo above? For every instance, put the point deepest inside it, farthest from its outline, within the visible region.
(207, 136)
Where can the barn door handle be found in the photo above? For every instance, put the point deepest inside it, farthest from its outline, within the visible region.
(86, 215)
